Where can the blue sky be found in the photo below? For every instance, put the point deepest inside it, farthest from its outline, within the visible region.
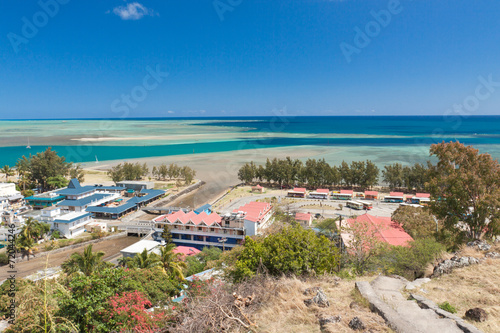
(241, 57)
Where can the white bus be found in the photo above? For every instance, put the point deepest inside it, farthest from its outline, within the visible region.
(355, 205)
(366, 204)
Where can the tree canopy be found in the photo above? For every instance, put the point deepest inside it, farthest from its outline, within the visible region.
(466, 188)
(44, 166)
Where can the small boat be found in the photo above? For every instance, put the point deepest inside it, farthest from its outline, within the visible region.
(28, 146)
(96, 160)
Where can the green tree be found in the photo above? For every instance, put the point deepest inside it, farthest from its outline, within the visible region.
(293, 250)
(166, 234)
(7, 171)
(171, 262)
(77, 172)
(45, 165)
(370, 177)
(57, 182)
(86, 263)
(174, 171)
(246, 173)
(393, 175)
(417, 222)
(188, 174)
(30, 233)
(116, 173)
(357, 171)
(200, 262)
(466, 186)
(345, 173)
(144, 260)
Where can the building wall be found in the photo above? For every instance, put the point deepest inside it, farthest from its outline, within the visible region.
(8, 189)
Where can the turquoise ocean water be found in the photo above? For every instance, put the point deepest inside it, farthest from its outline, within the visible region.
(84, 140)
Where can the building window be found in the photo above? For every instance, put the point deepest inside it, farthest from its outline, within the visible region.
(200, 228)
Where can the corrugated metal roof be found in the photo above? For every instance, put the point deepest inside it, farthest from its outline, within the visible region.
(84, 201)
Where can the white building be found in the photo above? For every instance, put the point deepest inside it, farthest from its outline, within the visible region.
(136, 248)
(4, 203)
(8, 190)
(69, 223)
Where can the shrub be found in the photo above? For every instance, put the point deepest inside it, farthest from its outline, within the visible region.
(199, 262)
(447, 307)
(127, 312)
(293, 250)
(4, 259)
(87, 304)
(410, 261)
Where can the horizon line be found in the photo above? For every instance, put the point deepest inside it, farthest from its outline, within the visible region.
(249, 117)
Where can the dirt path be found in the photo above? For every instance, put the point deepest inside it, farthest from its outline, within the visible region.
(110, 247)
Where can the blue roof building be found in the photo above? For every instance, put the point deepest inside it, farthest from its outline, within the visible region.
(205, 208)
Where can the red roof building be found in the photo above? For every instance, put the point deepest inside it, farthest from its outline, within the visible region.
(185, 251)
(384, 229)
(371, 195)
(323, 190)
(423, 195)
(191, 218)
(396, 194)
(304, 219)
(346, 192)
(255, 211)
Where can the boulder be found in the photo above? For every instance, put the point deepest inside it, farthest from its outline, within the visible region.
(480, 245)
(356, 324)
(311, 291)
(476, 314)
(323, 321)
(320, 300)
(447, 266)
(493, 255)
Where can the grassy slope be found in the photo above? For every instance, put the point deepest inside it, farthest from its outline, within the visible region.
(470, 287)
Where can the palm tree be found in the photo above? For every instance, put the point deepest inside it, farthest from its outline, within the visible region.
(87, 263)
(7, 170)
(26, 245)
(30, 233)
(171, 262)
(143, 260)
(22, 168)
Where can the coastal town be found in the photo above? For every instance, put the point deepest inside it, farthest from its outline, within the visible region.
(229, 166)
(139, 222)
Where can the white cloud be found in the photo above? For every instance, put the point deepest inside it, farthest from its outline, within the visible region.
(133, 11)
(170, 112)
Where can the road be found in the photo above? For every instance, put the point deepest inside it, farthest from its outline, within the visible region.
(110, 247)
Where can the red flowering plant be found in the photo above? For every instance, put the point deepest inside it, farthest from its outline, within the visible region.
(128, 312)
(201, 288)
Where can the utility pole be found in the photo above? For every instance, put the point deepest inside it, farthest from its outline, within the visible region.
(223, 240)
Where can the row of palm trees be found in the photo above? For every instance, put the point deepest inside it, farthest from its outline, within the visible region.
(90, 262)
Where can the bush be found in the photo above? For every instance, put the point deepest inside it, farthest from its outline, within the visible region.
(55, 235)
(293, 250)
(447, 307)
(199, 262)
(87, 304)
(4, 259)
(410, 261)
